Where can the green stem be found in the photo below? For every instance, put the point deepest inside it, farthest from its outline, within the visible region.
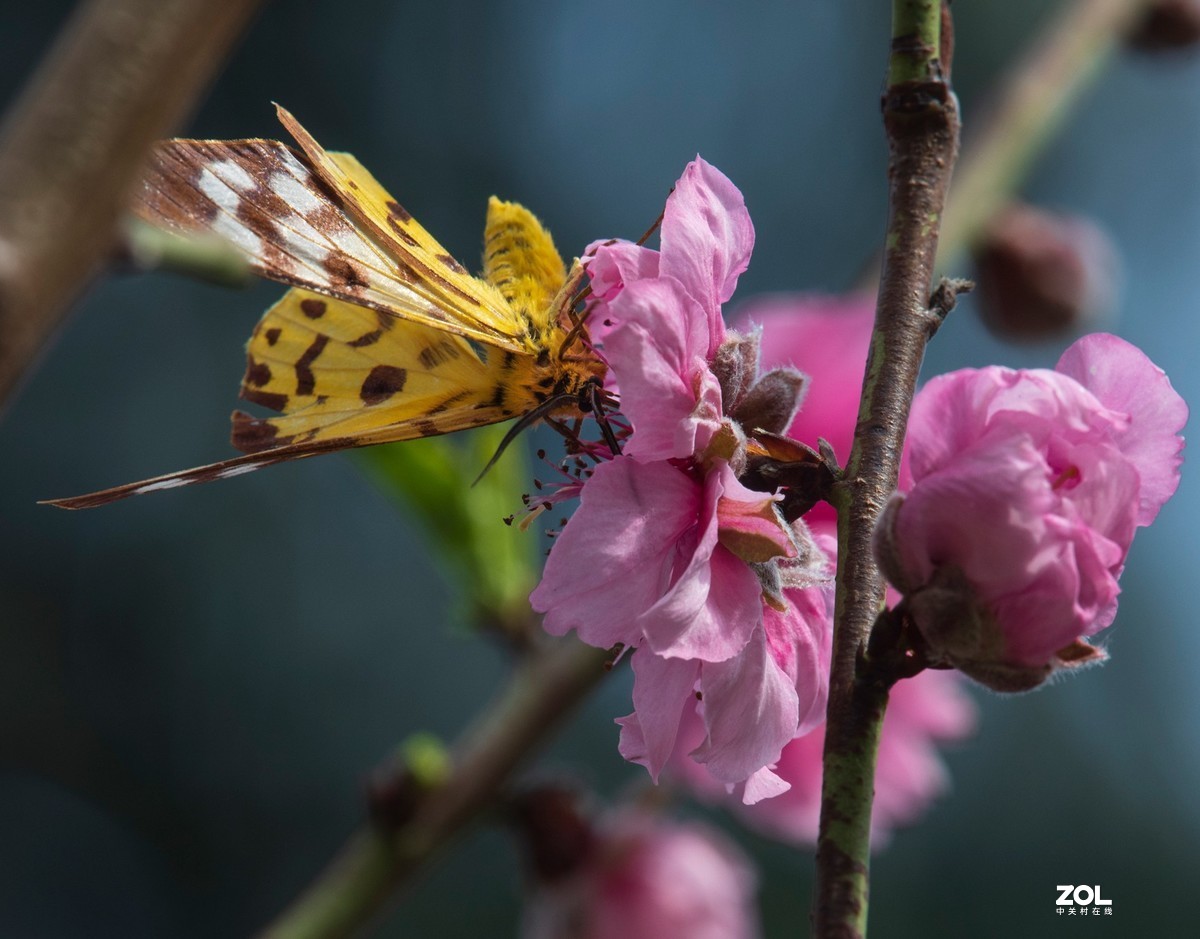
(366, 874)
(921, 121)
(916, 38)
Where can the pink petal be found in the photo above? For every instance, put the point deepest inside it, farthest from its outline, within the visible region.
(1124, 379)
(750, 707)
(614, 558)
(662, 688)
(706, 240)
(715, 602)
(658, 349)
(800, 642)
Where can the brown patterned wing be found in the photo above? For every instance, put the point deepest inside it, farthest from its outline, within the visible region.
(292, 227)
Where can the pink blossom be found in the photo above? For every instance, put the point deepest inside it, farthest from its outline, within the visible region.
(1025, 489)
(648, 878)
(669, 554)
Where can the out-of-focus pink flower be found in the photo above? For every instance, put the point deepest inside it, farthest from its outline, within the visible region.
(649, 878)
(825, 337)
(923, 711)
(669, 554)
(1024, 492)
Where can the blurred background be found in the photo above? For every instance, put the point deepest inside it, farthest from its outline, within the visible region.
(194, 686)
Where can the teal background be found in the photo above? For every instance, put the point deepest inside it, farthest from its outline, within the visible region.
(194, 686)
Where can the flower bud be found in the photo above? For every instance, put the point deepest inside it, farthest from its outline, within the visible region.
(1167, 25)
(735, 363)
(649, 878)
(1039, 274)
(1024, 490)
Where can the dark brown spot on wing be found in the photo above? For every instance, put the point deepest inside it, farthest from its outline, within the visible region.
(428, 428)
(268, 399)
(451, 263)
(366, 339)
(386, 320)
(401, 232)
(272, 335)
(313, 308)
(398, 211)
(433, 356)
(342, 272)
(497, 398)
(257, 373)
(382, 382)
(305, 380)
(252, 434)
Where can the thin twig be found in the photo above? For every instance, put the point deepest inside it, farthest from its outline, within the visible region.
(376, 862)
(123, 73)
(921, 121)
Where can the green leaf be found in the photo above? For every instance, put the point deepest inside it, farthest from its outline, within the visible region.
(493, 561)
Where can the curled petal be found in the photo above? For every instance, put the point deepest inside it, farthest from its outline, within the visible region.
(1124, 379)
(662, 689)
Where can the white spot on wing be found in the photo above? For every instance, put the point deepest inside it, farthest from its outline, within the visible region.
(238, 470)
(299, 196)
(233, 174)
(162, 484)
(215, 182)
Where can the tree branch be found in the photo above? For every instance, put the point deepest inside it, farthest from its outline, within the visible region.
(921, 120)
(377, 860)
(122, 74)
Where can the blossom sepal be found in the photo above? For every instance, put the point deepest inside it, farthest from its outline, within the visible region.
(959, 630)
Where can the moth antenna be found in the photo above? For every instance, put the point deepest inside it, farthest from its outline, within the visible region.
(654, 225)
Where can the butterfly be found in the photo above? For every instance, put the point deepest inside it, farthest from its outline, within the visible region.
(383, 335)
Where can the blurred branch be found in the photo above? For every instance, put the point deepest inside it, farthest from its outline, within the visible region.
(122, 74)
(920, 116)
(380, 857)
(1027, 107)
(1031, 102)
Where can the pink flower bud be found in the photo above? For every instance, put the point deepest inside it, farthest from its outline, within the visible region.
(1024, 492)
(649, 878)
(1039, 274)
